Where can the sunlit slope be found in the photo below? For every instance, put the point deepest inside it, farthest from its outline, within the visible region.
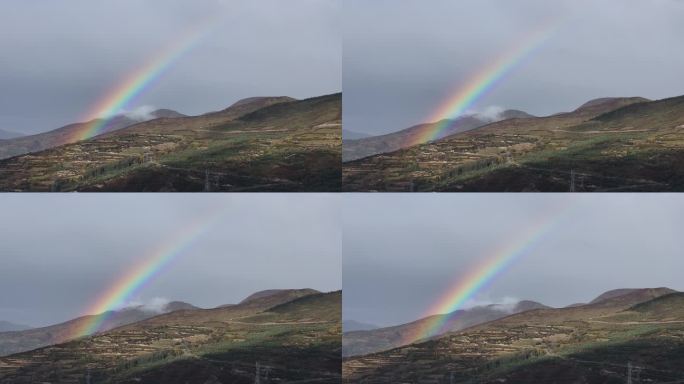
(623, 144)
(285, 146)
(593, 343)
(297, 339)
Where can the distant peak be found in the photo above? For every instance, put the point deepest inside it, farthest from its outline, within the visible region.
(167, 113)
(261, 99)
(528, 305)
(177, 306)
(616, 293)
(273, 292)
(515, 114)
(610, 100)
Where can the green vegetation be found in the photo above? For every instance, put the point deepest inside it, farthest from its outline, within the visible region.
(619, 145)
(594, 343)
(281, 333)
(286, 146)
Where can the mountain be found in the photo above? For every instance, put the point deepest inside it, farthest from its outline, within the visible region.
(594, 343)
(353, 135)
(278, 294)
(610, 144)
(353, 149)
(5, 135)
(363, 342)
(26, 340)
(258, 144)
(353, 325)
(248, 105)
(69, 133)
(6, 326)
(616, 293)
(291, 336)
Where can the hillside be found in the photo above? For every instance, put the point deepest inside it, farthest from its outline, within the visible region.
(359, 147)
(296, 340)
(69, 133)
(263, 144)
(26, 340)
(594, 343)
(614, 144)
(363, 342)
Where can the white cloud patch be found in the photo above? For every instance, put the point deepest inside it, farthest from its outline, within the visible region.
(154, 305)
(492, 113)
(505, 304)
(142, 113)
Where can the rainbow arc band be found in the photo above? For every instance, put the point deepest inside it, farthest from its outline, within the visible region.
(478, 278)
(480, 84)
(151, 265)
(138, 81)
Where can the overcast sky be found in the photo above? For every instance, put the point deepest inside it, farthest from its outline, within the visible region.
(59, 253)
(401, 252)
(402, 58)
(60, 57)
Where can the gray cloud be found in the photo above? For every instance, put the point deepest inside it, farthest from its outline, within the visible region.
(61, 252)
(403, 58)
(401, 252)
(60, 58)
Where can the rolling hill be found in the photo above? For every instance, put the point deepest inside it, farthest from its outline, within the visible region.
(28, 339)
(258, 144)
(640, 331)
(359, 147)
(289, 337)
(362, 342)
(20, 145)
(609, 144)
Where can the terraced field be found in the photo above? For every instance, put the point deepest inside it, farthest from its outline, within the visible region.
(609, 145)
(289, 337)
(604, 342)
(276, 146)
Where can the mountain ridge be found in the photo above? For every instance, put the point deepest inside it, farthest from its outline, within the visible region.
(354, 149)
(28, 339)
(613, 144)
(295, 339)
(282, 146)
(570, 345)
(362, 342)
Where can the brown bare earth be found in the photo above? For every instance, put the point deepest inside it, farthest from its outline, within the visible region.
(612, 144)
(638, 334)
(258, 144)
(287, 336)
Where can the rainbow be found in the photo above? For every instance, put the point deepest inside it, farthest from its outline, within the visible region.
(140, 275)
(481, 83)
(135, 83)
(466, 287)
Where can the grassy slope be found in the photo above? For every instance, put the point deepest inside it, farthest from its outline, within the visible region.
(289, 146)
(589, 344)
(621, 146)
(300, 341)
